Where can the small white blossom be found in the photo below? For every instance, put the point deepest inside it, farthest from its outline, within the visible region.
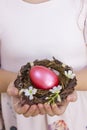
(30, 92)
(63, 65)
(46, 98)
(69, 74)
(56, 89)
(59, 98)
(32, 64)
(21, 91)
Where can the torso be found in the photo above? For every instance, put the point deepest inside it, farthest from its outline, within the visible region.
(37, 31)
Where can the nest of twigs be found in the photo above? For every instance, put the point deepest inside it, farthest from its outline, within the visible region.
(67, 83)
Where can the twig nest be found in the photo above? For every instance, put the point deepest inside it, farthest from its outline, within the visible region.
(45, 81)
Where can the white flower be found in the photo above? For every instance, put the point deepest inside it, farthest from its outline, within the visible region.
(59, 98)
(56, 89)
(32, 64)
(21, 91)
(69, 74)
(30, 92)
(46, 98)
(63, 65)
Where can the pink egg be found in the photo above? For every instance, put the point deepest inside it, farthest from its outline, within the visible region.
(43, 78)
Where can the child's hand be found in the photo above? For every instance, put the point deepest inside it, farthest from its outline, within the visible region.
(54, 109)
(42, 109)
(26, 110)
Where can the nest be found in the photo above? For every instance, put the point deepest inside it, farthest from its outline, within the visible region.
(58, 94)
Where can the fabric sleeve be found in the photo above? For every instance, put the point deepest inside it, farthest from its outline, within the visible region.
(85, 31)
(1, 27)
(1, 17)
(0, 54)
(85, 24)
(82, 14)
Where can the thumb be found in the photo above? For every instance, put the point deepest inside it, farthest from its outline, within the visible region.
(12, 90)
(72, 97)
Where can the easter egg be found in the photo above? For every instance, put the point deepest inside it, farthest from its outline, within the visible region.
(43, 77)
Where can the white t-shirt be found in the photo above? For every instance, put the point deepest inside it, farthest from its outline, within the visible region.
(38, 31)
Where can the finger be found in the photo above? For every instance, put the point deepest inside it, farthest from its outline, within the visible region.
(41, 109)
(59, 109)
(30, 111)
(55, 109)
(12, 91)
(72, 97)
(48, 109)
(36, 112)
(20, 109)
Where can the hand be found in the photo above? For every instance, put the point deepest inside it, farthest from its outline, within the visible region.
(26, 110)
(34, 110)
(55, 109)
